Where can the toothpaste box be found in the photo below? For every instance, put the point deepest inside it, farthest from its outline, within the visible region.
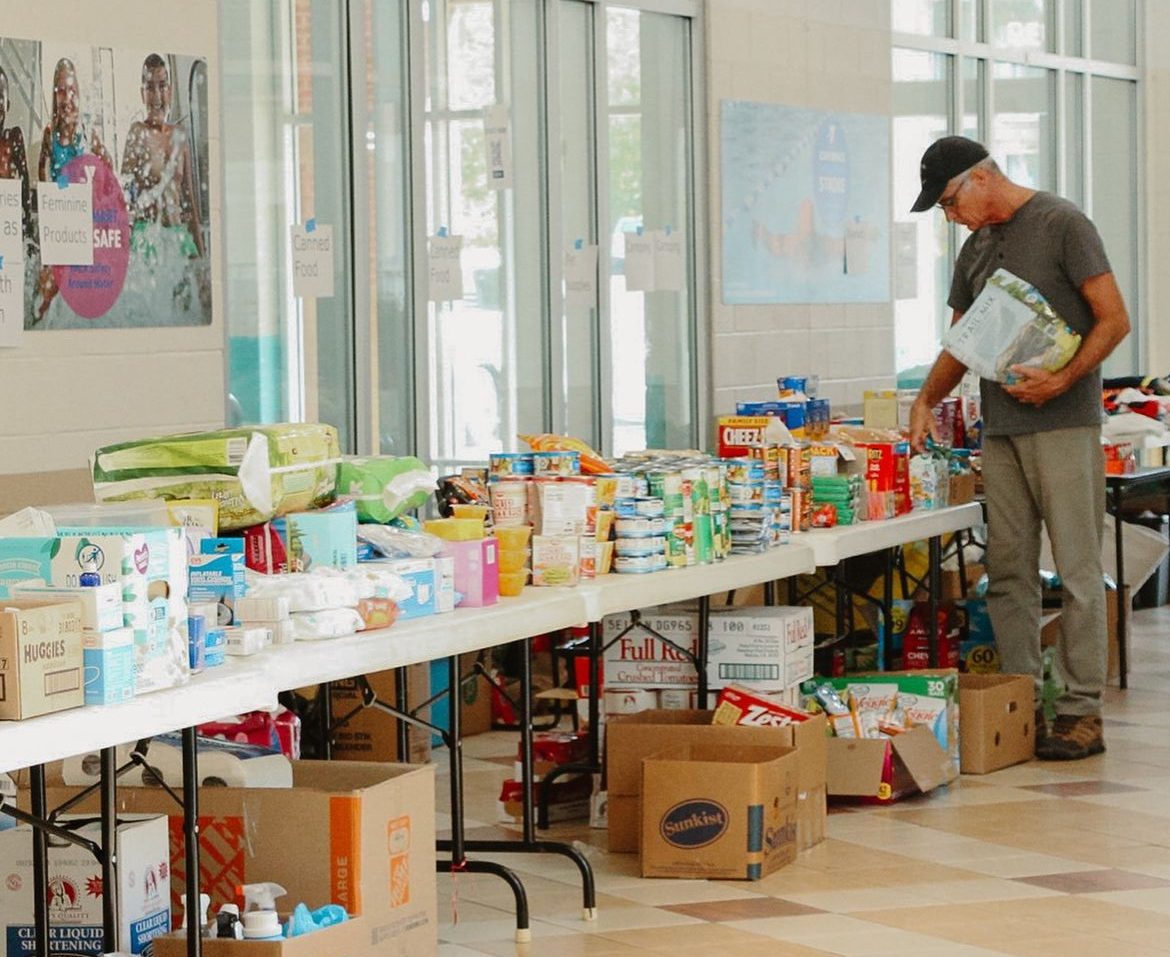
(108, 665)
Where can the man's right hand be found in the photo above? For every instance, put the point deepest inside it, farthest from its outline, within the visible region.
(922, 425)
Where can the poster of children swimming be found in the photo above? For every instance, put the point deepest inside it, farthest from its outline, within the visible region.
(133, 124)
(805, 205)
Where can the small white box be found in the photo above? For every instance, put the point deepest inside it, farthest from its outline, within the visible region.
(101, 605)
(108, 665)
(249, 610)
(798, 667)
(280, 632)
(243, 640)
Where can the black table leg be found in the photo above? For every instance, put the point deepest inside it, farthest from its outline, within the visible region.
(191, 841)
(935, 546)
(40, 862)
(109, 857)
(1122, 604)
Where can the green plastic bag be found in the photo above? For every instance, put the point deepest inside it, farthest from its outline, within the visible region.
(384, 486)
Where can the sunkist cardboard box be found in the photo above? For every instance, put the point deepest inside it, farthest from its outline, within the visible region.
(718, 811)
(632, 737)
(359, 834)
(998, 726)
(75, 889)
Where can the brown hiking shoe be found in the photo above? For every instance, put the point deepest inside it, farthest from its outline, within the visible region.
(1072, 737)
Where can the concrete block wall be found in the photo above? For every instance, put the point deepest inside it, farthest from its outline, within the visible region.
(831, 55)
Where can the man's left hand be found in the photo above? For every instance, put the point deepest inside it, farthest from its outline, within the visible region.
(1036, 386)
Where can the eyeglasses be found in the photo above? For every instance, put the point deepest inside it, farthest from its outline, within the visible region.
(947, 202)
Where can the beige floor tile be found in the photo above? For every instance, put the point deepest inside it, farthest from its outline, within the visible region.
(683, 892)
(1154, 899)
(709, 937)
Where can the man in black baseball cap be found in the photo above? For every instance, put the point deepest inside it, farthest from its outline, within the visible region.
(944, 160)
(1043, 469)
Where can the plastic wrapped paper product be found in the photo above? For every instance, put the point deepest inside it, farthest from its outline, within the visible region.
(384, 486)
(253, 473)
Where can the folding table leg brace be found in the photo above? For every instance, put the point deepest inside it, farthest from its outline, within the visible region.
(596, 650)
(44, 824)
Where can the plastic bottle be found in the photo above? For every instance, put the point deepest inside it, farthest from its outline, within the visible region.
(259, 917)
(90, 577)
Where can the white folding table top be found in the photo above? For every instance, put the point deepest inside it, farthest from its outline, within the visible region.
(833, 545)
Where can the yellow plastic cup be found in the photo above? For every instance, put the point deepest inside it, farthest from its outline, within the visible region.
(470, 511)
(512, 559)
(513, 537)
(512, 583)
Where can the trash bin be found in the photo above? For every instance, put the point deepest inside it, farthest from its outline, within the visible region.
(1156, 590)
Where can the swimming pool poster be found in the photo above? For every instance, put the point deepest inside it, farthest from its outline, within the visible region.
(805, 205)
(131, 127)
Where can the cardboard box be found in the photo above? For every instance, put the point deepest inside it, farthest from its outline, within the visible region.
(998, 727)
(477, 572)
(422, 577)
(630, 738)
(639, 660)
(108, 658)
(372, 734)
(364, 838)
(754, 646)
(101, 606)
(363, 936)
(882, 770)
(961, 489)
(950, 586)
(75, 896)
(718, 811)
(41, 657)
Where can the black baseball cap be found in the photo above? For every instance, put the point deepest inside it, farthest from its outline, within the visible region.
(943, 160)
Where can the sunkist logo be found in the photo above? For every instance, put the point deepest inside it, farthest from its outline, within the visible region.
(694, 823)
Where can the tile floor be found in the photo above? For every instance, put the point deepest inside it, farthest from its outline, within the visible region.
(1039, 860)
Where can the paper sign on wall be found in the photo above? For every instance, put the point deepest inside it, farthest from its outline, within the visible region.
(639, 262)
(312, 260)
(668, 260)
(499, 148)
(581, 277)
(66, 223)
(905, 260)
(446, 270)
(11, 263)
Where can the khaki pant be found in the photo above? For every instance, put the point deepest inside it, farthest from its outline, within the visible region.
(1056, 480)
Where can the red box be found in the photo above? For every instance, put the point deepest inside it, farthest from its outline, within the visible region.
(738, 433)
(742, 706)
(916, 641)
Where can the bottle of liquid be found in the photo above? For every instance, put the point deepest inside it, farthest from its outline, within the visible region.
(90, 577)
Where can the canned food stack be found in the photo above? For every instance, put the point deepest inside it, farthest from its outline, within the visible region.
(751, 521)
(641, 527)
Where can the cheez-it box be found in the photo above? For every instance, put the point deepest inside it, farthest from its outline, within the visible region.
(40, 657)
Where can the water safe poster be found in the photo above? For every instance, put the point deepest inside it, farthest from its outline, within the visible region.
(133, 124)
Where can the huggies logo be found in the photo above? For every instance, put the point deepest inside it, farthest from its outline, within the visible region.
(693, 824)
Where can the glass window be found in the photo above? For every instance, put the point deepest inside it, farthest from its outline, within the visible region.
(1114, 138)
(651, 334)
(1023, 129)
(922, 96)
(576, 409)
(1113, 31)
(970, 20)
(925, 17)
(484, 351)
(974, 107)
(1074, 26)
(285, 104)
(389, 304)
(1073, 138)
(1023, 24)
